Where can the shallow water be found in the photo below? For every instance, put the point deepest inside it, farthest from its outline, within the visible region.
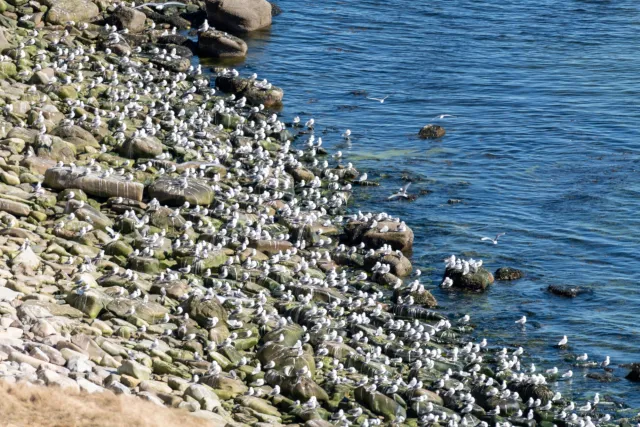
(543, 146)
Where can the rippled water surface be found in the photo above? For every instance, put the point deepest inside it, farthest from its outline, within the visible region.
(543, 145)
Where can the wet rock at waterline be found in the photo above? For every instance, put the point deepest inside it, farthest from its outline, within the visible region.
(256, 93)
(568, 291)
(508, 273)
(218, 44)
(473, 281)
(431, 132)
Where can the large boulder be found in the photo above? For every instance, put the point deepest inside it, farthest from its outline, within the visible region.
(63, 11)
(171, 192)
(239, 16)
(135, 148)
(246, 87)
(218, 44)
(380, 404)
(202, 311)
(129, 18)
(478, 281)
(60, 178)
(398, 238)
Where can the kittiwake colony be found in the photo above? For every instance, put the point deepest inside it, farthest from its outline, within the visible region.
(166, 234)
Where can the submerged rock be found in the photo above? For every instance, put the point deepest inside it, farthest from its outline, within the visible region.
(508, 273)
(569, 291)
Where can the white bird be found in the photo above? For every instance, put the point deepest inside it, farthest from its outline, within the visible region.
(380, 100)
(401, 193)
(494, 241)
(563, 342)
(522, 321)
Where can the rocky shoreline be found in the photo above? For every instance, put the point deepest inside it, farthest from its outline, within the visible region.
(165, 235)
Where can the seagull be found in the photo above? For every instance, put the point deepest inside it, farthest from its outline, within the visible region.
(563, 342)
(522, 321)
(443, 116)
(160, 6)
(494, 241)
(447, 283)
(401, 193)
(583, 358)
(380, 100)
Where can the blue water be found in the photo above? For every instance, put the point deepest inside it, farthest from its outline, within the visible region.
(543, 146)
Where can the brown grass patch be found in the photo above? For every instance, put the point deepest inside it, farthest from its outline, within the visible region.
(29, 405)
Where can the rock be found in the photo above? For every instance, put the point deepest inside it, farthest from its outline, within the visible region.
(129, 18)
(67, 92)
(380, 404)
(8, 295)
(257, 404)
(26, 258)
(201, 311)
(424, 297)
(43, 329)
(172, 192)
(202, 394)
(147, 147)
(8, 69)
(477, 281)
(634, 374)
(63, 11)
(52, 378)
(247, 88)
(14, 208)
(151, 312)
(155, 386)
(90, 302)
(398, 240)
(431, 132)
(569, 291)
(111, 186)
(603, 377)
(135, 370)
(218, 44)
(160, 367)
(508, 273)
(224, 383)
(239, 16)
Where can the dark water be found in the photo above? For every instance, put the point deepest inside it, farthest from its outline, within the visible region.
(543, 146)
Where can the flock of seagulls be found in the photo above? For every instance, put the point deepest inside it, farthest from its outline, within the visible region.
(356, 318)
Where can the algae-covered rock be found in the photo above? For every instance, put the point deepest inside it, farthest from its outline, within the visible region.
(473, 281)
(431, 132)
(380, 404)
(508, 273)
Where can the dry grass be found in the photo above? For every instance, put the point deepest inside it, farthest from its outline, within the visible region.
(25, 405)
